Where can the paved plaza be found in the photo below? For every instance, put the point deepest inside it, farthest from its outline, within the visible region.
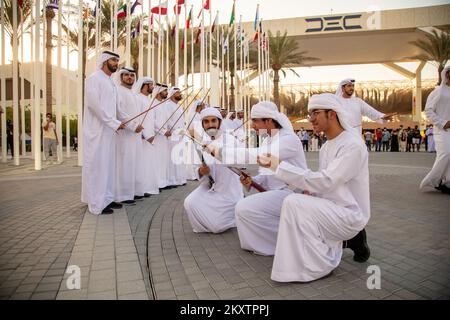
(148, 251)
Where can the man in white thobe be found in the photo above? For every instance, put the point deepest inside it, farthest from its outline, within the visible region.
(211, 207)
(357, 108)
(176, 165)
(129, 144)
(194, 123)
(239, 129)
(437, 110)
(148, 161)
(257, 216)
(160, 141)
(99, 134)
(334, 206)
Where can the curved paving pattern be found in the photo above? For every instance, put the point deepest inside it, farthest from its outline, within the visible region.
(408, 235)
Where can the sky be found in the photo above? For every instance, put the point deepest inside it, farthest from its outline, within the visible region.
(277, 9)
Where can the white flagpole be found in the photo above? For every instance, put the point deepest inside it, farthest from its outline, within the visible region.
(167, 80)
(141, 46)
(259, 65)
(228, 72)
(15, 82)
(263, 67)
(97, 32)
(3, 84)
(192, 47)
(217, 49)
(185, 46)
(111, 31)
(32, 82)
(80, 84)
(268, 68)
(59, 85)
(241, 43)
(222, 64)
(235, 98)
(177, 45)
(128, 39)
(202, 49)
(116, 21)
(210, 44)
(22, 86)
(99, 14)
(160, 37)
(37, 88)
(150, 43)
(67, 93)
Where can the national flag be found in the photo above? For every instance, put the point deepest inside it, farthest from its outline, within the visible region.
(85, 14)
(199, 31)
(206, 6)
(189, 20)
(122, 11)
(225, 45)
(137, 30)
(135, 4)
(182, 45)
(95, 8)
(255, 24)
(20, 3)
(179, 4)
(216, 21)
(232, 18)
(161, 10)
(53, 5)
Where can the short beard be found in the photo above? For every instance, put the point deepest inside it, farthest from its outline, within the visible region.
(111, 68)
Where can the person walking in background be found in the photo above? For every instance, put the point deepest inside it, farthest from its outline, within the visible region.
(368, 138)
(379, 137)
(416, 139)
(50, 139)
(394, 141)
(9, 137)
(305, 141)
(409, 139)
(385, 137)
(402, 137)
(430, 138)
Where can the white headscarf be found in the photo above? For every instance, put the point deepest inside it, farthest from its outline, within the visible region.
(193, 109)
(435, 95)
(137, 87)
(344, 82)
(105, 56)
(230, 114)
(330, 101)
(173, 90)
(118, 75)
(267, 109)
(210, 112)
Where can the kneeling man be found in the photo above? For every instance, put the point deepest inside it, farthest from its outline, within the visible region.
(335, 204)
(210, 207)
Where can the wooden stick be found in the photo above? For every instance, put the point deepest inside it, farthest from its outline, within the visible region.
(174, 113)
(151, 108)
(190, 122)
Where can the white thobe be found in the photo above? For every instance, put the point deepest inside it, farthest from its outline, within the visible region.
(161, 143)
(128, 148)
(257, 216)
(149, 156)
(356, 108)
(312, 228)
(191, 155)
(437, 110)
(213, 209)
(99, 149)
(239, 133)
(177, 165)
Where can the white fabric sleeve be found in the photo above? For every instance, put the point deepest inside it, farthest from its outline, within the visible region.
(342, 169)
(371, 112)
(123, 115)
(430, 110)
(100, 110)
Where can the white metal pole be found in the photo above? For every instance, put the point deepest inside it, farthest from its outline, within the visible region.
(185, 47)
(177, 46)
(80, 84)
(59, 85)
(22, 86)
(68, 90)
(15, 83)
(37, 88)
(3, 84)
(128, 37)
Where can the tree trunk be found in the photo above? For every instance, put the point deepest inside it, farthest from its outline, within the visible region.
(276, 87)
(440, 69)
(49, 15)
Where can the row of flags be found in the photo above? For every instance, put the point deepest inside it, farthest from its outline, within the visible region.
(163, 10)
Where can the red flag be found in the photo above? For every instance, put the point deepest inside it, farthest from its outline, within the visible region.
(180, 2)
(20, 2)
(255, 39)
(175, 9)
(160, 10)
(206, 6)
(182, 45)
(197, 37)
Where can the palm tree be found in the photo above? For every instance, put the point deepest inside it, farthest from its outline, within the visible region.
(285, 55)
(436, 48)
